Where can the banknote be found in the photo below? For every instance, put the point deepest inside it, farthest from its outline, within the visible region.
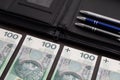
(109, 69)
(75, 65)
(34, 60)
(8, 43)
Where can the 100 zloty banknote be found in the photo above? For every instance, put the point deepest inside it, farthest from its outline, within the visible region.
(109, 69)
(34, 60)
(8, 43)
(75, 65)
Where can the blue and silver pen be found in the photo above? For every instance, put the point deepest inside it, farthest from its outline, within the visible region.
(94, 29)
(99, 23)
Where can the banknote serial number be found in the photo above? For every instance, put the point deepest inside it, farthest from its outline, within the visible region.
(87, 56)
(49, 45)
(11, 35)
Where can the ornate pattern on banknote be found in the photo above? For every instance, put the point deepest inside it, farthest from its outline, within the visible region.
(75, 64)
(108, 75)
(32, 64)
(72, 70)
(34, 60)
(109, 69)
(8, 43)
(5, 49)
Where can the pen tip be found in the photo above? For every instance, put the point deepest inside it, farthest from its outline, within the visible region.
(79, 24)
(76, 24)
(81, 18)
(82, 11)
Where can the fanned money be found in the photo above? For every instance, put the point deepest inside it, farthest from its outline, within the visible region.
(8, 43)
(75, 65)
(34, 60)
(109, 69)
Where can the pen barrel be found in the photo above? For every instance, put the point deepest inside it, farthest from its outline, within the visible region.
(102, 31)
(99, 16)
(102, 24)
(94, 29)
(108, 33)
(90, 28)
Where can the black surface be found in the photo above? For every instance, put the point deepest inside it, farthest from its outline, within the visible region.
(40, 12)
(104, 7)
(66, 30)
(108, 8)
(44, 3)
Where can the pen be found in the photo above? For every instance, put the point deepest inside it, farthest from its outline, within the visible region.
(98, 30)
(99, 23)
(100, 16)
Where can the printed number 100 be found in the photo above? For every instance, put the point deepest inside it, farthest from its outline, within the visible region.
(11, 35)
(49, 45)
(87, 56)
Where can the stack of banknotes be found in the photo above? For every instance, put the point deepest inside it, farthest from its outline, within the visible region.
(35, 59)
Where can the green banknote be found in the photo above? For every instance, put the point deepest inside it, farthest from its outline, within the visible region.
(8, 43)
(34, 60)
(109, 69)
(75, 65)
